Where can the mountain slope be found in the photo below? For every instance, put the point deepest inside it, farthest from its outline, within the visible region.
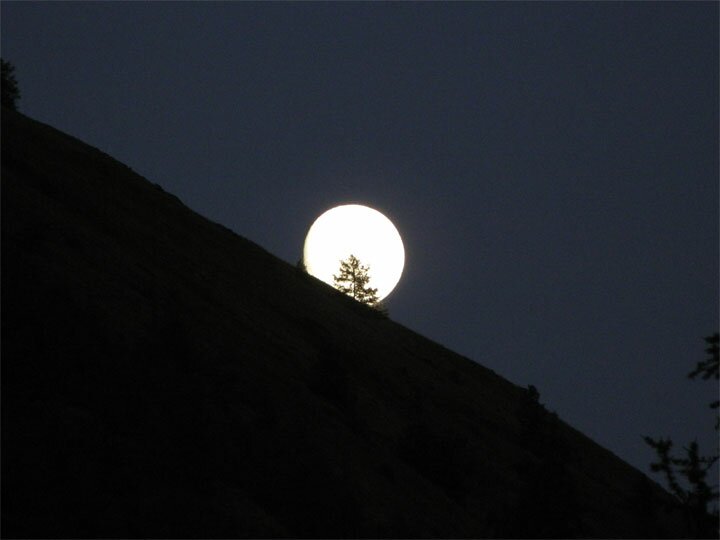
(163, 376)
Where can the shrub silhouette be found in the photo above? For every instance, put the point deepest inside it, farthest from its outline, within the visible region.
(697, 499)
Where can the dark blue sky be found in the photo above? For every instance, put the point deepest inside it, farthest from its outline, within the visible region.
(552, 167)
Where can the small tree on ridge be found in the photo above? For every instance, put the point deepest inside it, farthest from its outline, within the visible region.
(353, 280)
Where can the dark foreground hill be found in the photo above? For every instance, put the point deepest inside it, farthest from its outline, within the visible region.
(165, 377)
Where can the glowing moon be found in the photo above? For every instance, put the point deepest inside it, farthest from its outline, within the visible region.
(357, 230)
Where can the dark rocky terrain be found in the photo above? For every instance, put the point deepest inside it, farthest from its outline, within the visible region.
(164, 377)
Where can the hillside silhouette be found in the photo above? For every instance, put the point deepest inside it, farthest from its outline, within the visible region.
(163, 376)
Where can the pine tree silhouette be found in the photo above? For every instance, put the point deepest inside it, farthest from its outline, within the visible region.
(697, 499)
(353, 280)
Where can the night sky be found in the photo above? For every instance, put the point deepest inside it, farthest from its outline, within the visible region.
(551, 167)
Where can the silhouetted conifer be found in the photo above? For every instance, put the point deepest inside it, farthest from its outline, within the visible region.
(353, 280)
(710, 368)
(10, 90)
(696, 500)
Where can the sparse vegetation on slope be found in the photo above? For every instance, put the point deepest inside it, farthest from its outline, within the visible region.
(164, 377)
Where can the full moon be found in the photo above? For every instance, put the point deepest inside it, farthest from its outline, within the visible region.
(353, 229)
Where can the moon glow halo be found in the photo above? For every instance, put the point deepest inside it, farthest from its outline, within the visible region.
(353, 229)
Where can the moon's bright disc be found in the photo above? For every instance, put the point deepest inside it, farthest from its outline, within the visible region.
(357, 230)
